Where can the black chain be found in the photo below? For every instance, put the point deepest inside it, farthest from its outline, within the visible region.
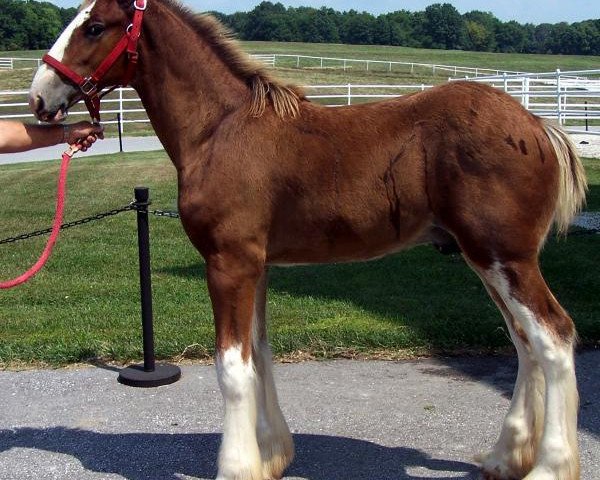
(161, 213)
(64, 226)
(164, 213)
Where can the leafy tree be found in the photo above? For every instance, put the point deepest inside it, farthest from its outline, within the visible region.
(510, 37)
(444, 26)
(358, 28)
(481, 30)
(402, 29)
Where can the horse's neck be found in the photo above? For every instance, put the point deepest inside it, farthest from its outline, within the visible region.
(184, 86)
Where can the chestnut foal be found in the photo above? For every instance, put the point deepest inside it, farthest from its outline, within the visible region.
(267, 177)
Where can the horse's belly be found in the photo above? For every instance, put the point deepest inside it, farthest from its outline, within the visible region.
(340, 239)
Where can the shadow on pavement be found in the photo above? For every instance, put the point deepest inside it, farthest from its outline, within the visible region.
(148, 456)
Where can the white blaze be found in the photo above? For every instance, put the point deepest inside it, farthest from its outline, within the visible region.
(58, 49)
(44, 74)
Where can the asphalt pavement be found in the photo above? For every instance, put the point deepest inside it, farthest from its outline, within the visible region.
(101, 147)
(351, 420)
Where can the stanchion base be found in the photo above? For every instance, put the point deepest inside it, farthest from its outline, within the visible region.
(136, 376)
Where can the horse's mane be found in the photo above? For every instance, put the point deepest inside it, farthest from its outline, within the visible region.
(265, 88)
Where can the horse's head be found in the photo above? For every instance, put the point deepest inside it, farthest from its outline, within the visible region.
(83, 46)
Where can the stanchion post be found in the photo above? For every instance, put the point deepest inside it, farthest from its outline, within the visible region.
(120, 130)
(142, 197)
(149, 374)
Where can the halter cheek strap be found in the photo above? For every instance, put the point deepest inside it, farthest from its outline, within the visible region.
(89, 86)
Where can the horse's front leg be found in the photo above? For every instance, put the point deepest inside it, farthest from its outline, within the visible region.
(232, 283)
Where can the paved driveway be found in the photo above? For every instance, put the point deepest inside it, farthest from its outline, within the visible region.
(351, 420)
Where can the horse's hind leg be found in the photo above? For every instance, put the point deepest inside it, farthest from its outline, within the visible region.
(274, 438)
(546, 338)
(514, 453)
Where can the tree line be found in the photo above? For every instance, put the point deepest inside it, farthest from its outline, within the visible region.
(438, 26)
(29, 25)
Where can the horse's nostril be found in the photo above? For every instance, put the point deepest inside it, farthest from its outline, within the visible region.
(39, 104)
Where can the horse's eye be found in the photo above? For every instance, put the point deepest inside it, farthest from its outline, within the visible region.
(94, 30)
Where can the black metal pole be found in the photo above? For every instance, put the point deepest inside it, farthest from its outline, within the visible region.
(142, 200)
(149, 374)
(120, 135)
(586, 117)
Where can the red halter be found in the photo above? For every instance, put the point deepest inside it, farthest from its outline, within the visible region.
(89, 85)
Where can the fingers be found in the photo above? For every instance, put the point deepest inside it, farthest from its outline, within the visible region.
(84, 133)
(87, 142)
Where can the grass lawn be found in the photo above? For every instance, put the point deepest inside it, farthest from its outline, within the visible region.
(84, 304)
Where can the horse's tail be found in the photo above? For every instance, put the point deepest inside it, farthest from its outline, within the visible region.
(572, 182)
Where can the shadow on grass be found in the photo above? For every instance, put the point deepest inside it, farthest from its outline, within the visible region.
(148, 456)
(440, 300)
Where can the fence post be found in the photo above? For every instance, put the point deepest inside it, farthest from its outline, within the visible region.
(558, 105)
(119, 127)
(586, 117)
(149, 374)
(298, 61)
(121, 112)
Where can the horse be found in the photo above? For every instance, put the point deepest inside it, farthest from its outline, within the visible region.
(267, 177)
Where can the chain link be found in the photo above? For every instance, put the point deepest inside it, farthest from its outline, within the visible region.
(164, 213)
(98, 216)
(160, 213)
(64, 226)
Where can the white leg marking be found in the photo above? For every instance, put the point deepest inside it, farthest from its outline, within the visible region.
(513, 454)
(557, 456)
(239, 457)
(274, 438)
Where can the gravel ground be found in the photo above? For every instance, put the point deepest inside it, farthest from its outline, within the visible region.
(351, 420)
(587, 145)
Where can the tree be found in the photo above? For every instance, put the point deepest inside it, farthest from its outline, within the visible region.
(269, 21)
(358, 28)
(510, 37)
(481, 30)
(444, 27)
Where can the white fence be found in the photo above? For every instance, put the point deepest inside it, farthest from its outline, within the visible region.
(10, 63)
(573, 98)
(306, 61)
(567, 96)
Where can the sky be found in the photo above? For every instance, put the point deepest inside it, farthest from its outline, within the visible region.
(523, 11)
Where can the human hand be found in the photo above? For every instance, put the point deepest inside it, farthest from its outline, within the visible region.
(83, 134)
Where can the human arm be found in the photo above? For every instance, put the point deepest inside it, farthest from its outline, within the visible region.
(19, 137)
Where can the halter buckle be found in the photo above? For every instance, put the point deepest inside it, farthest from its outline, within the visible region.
(88, 87)
(142, 7)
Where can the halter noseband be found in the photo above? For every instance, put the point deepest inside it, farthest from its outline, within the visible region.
(89, 85)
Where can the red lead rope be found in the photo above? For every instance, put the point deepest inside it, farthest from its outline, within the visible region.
(58, 216)
(90, 89)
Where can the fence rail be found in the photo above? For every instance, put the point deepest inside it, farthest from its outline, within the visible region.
(306, 61)
(10, 63)
(573, 101)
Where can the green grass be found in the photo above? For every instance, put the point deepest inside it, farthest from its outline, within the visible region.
(508, 61)
(84, 304)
